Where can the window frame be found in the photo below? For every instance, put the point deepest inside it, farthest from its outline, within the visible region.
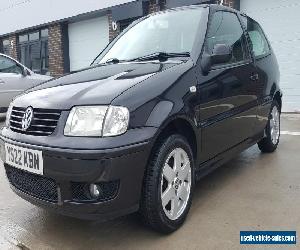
(39, 42)
(256, 58)
(4, 48)
(246, 46)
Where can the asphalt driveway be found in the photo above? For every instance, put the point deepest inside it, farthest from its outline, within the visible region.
(251, 192)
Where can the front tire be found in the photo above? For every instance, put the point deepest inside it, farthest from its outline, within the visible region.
(168, 185)
(272, 132)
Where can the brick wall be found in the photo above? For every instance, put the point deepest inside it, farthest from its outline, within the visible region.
(153, 6)
(56, 58)
(13, 49)
(156, 5)
(229, 3)
(112, 33)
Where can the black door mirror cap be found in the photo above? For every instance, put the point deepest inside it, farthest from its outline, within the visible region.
(221, 53)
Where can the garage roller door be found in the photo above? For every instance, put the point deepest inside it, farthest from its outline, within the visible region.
(280, 20)
(86, 40)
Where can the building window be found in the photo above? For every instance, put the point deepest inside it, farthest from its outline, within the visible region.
(33, 51)
(34, 36)
(23, 38)
(5, 46)
(44, 33)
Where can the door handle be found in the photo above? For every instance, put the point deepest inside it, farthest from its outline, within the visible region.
(254, 77)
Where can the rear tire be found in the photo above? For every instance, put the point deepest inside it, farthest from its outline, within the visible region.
(168, 185)
(272, 132)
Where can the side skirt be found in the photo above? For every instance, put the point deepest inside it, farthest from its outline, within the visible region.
(209, 166)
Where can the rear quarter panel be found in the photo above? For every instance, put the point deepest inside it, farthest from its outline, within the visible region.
(269, 76)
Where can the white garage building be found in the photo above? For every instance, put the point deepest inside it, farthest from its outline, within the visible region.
(280, 20)
(87, 39)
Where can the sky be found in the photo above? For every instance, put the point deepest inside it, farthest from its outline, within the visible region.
(20, 14)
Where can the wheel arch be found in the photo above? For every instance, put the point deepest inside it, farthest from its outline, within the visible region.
(182, 126)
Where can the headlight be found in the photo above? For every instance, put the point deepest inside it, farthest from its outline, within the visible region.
(116, 121)
(97, 121)
(8, 114)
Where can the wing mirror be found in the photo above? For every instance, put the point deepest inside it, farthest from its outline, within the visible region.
(221, 53)
(25, 72)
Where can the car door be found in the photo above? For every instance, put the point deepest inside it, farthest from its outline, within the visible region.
(12, 81)
(228, 96)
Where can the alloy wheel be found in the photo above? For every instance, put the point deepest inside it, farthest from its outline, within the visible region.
(275, 125)
(176, 183)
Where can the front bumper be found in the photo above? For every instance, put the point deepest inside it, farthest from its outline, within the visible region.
(123, 166)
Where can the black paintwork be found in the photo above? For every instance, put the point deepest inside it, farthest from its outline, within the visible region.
(227, 114)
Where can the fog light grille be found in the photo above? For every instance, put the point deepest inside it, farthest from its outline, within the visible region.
(81, 191)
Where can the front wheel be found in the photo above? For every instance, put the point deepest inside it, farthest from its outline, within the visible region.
(272, 132)
(168, 185)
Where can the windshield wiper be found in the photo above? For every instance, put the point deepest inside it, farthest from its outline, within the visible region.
(161, 56)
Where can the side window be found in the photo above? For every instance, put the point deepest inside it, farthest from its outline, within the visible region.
(225, 28)
(259, 43)
(9, 66)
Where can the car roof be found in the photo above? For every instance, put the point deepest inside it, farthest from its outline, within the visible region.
(214, 7)
(222, 7)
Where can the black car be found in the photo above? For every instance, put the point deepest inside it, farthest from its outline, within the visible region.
(173, 97)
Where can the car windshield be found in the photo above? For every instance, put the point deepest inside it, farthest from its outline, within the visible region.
(171, 32)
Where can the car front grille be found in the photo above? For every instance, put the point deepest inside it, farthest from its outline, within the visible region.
(34, 185)
(43, 124)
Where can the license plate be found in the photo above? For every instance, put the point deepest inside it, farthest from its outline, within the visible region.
(24, 158)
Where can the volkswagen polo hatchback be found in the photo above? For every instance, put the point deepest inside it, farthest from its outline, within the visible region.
(173, 97)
